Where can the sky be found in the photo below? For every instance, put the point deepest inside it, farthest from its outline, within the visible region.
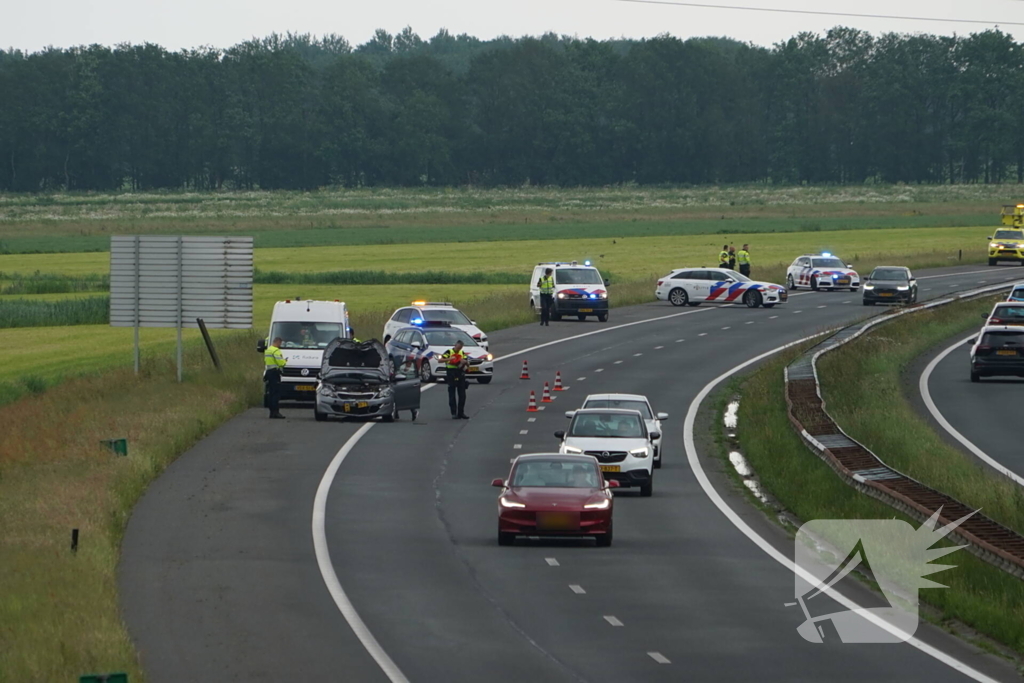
(175, 24)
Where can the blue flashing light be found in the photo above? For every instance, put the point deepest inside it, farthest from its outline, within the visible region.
(417, 321)
(593, 296)
(825, 253)
(586, 263)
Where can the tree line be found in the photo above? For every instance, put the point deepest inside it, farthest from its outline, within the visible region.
(300, 112)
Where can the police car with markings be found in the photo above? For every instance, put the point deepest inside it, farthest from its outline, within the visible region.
(580, 290)
(695, 286)
(420, 312)
(821, 271)
(424, 344)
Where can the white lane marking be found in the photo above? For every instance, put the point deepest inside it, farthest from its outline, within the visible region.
(847, 301)
(703, 334)
(540, 407)
(922, 386)
(637, 354)
(981, 282)
(749, 322)
(531, 419)
(599, 370)
(822, 306)
(658, 657)
(323, 559)
(927, 289)
(744, 528)
(795, 312)
(517, 446)
(552, 562)
(616, 362)
(577, 589)
(680, 340)
(658, 347)
(772, 317)
(580, 379)
(614, 621)
(524, 431)
(727, 328)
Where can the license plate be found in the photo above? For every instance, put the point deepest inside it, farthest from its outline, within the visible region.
(611, 468)
(842, 282)
(1006, 352)
(558, 521)
(305, 387)
(348, 407)
(586, 310)
(885, 294)
(472, 369)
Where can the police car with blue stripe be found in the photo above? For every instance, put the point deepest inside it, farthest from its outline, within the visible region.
(694, 286)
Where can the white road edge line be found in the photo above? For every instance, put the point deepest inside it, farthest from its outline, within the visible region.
(937, 414)
(323, 559)
(760, 542)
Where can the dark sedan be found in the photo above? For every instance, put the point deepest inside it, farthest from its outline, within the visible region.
(890, 285)
(998, 351)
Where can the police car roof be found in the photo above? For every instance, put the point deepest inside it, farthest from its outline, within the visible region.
(430, 323)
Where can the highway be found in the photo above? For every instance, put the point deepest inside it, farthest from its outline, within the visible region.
(975, 416)
(220, 577)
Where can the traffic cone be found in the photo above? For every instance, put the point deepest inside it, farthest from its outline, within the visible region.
(525, 374)
(558, 382)
(531, 407)
(546, 396)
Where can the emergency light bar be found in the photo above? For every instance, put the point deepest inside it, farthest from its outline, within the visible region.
(432, 303)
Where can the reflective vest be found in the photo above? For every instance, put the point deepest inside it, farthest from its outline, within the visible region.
(743, 257)
(547, 285)
(723, 257)
(452, 358)
(273, 359)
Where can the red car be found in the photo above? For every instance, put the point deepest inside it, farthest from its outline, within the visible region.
(549, 494)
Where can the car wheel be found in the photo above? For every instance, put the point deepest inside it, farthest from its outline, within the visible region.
(789, 282)
(605, 539)
(318, 416)
(394, 413)
(647, 490)
(484, 380)
(992, 261)
(657, 462)
(814, 284)
(752, 298)
(975, 377)
(425, 375)
(505, 538)
(581, 316)
(678, 297)
(602, 317)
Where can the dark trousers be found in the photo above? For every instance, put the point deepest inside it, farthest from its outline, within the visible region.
(272, 390)
(457, 384)
(745, 269)
(546, 302)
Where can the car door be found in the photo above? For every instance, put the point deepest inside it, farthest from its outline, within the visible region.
(407, 393)
(398, 348)
(699, 285)
(803, 273)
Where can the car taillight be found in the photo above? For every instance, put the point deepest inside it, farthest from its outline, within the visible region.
(995, 321)
(984, 348)
(660, 282)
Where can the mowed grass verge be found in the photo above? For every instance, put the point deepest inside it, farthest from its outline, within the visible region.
(979, 595)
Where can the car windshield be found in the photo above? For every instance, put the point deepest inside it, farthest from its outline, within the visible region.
(1005, 312)
(827, 263)
(1003, 339)
(622, 404)
(448, 338)
(607, 425)
(889, 275)
(556, 473)
(1014, 235)
(299, 335)
(445, 315)
(730, 273)
(578, 276)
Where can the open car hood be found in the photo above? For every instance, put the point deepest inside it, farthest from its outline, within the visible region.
(368, 356)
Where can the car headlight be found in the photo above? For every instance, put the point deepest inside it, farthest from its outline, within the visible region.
(571, 449)
(903, 288)
(561, 295)
(384, 392)
(489, 357)
(993, 245)
(599, 505)
(327, 390)
(602, 296)
(869, 286)
(639, 452)
(506, 503)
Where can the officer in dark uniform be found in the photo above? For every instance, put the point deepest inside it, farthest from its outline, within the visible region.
(455, 362)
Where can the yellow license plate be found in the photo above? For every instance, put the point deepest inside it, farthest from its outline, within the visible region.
(611, 468)
(474, 369)
(1006, 352)
(349, 406)
(586, 310)
(885, 294)
(305, 387)
(558, 521)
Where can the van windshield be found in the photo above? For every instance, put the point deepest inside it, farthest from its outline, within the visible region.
(306, 335)
(578, 276)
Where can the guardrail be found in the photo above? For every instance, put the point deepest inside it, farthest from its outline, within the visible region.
(866, 472)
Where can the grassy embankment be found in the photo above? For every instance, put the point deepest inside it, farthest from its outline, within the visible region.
(863, 390)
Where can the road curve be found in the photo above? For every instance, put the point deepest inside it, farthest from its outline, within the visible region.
(977, 416)
(219, 577)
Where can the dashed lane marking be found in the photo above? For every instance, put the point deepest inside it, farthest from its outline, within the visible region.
(749, 322)
(726, 328)
(517, 446)
(680, 340)
(637, 354)
(580, 379)
(658, 657)
(795, 312)
(772, 317)
(531, 419)
(524, 431)
(552, 562)
(614, 621)
(822, 306)
(577, 589)
(616, 362)
(599, 370)
(658, 347)
(703, 334)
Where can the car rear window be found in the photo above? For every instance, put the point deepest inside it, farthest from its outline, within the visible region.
(1003, 339)
(1008, 312)
(621, 404)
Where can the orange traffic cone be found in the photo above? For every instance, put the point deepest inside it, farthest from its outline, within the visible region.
(525, 374)
(546, 396)
(531, 407)
(558, 382)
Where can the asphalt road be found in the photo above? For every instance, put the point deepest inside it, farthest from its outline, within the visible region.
(982, 413)
(219, 579)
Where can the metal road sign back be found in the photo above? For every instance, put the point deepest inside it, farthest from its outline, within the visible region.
(170, 281)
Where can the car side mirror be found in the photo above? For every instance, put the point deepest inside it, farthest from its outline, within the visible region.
(989, 237)
(261, 345)
(611, 483)
(972, 340)
(570, 413)
(560, 434)
(500, 483)
(729, 279)
(655, 435)
(662, 416)
(472, 322)
(984, 316)
(849, 265)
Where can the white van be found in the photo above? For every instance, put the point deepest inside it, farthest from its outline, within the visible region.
(306, 328)
(579, 290)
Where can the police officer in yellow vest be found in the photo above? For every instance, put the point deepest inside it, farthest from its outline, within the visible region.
(723, 257)
(743, 260)
(547, 296)
(273, 363)
(455, 362)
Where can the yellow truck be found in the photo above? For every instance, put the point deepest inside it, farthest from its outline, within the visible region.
(1008, 243)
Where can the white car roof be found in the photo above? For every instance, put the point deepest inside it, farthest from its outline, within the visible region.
(615, 397)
